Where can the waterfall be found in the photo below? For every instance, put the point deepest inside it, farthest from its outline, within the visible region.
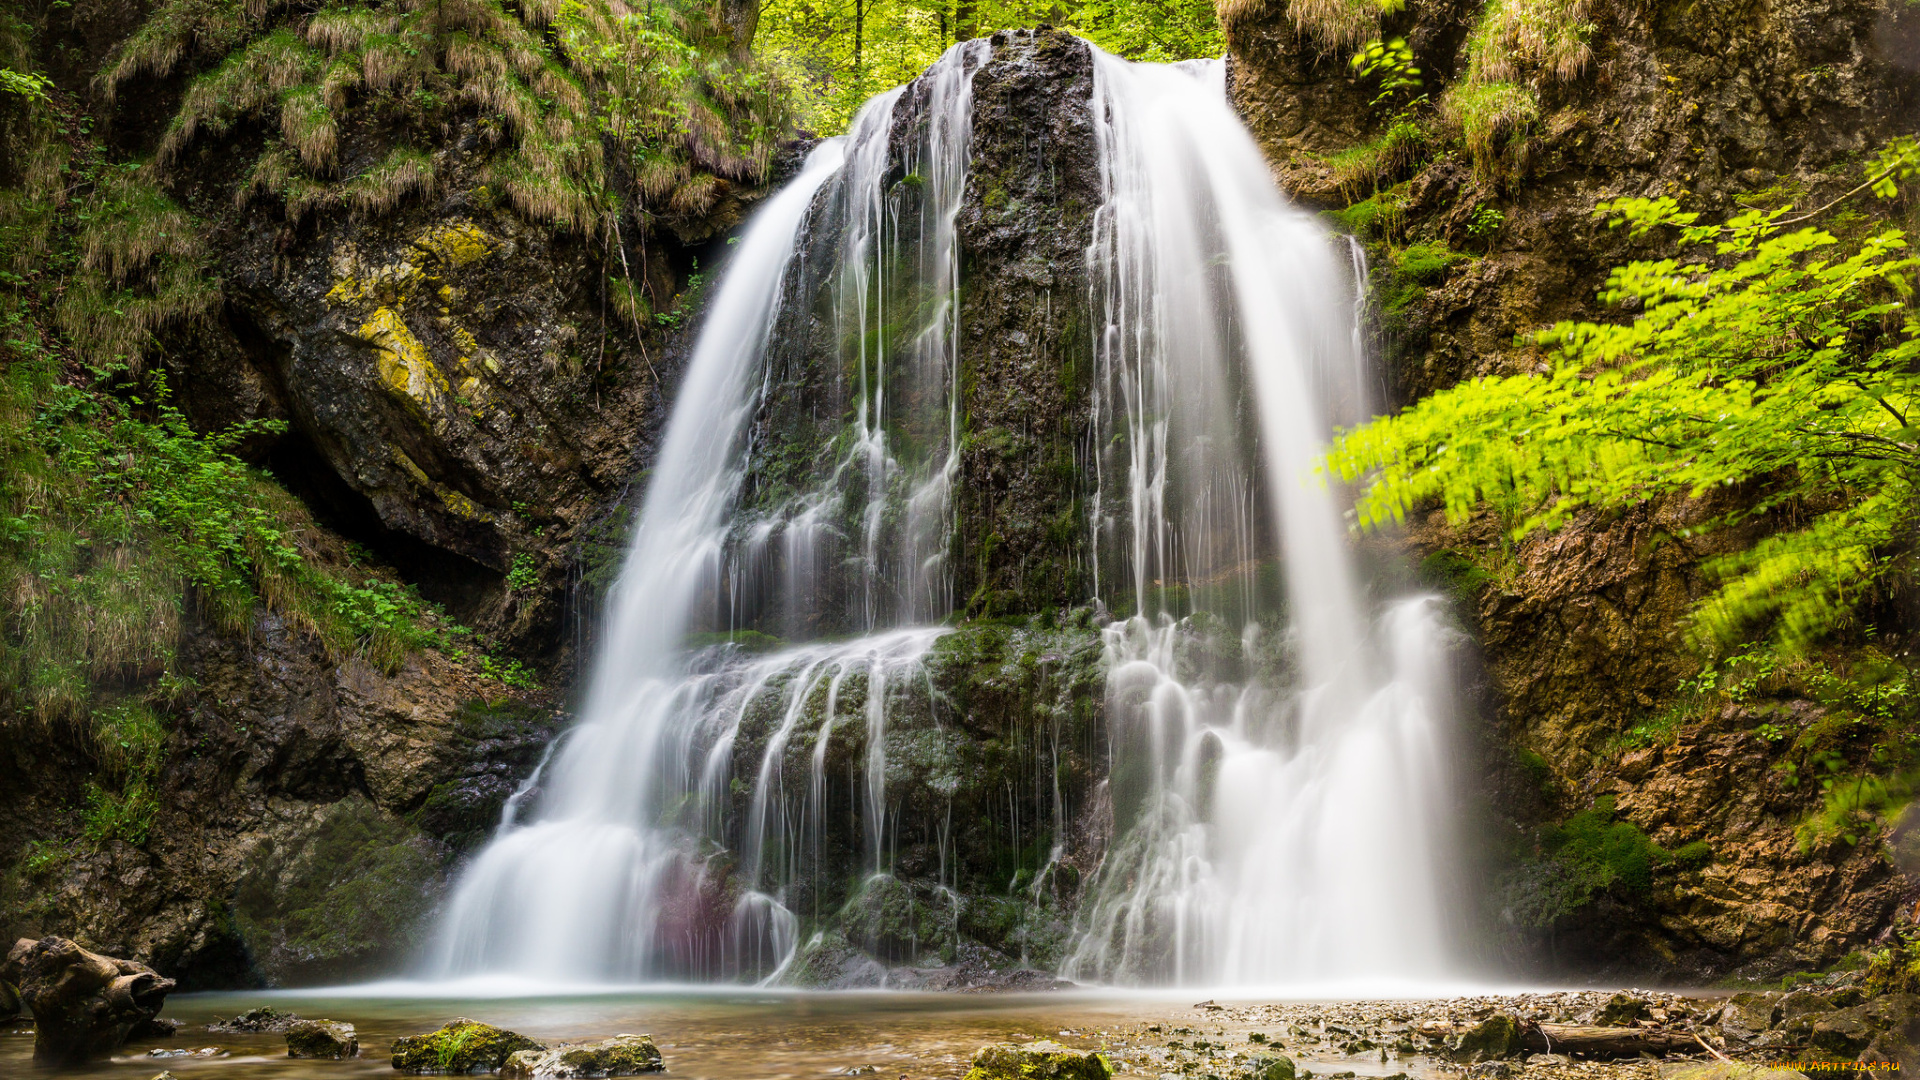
(1279, 785)
(1276, 745)
(613, 874)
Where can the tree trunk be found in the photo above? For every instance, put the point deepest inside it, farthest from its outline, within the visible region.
(741, 18)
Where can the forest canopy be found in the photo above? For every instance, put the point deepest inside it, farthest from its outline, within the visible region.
(837, 53)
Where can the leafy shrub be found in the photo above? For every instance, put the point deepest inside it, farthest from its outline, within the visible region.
(1782, 362)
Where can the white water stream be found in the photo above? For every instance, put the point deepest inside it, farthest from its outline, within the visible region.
(1281, 807)
(1291, 826)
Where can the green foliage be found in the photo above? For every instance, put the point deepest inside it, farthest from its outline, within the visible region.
(1392, 63)
(1516, 49)
(126, 816)
(1377, 217)
(1426, 262)
(1486, 221)
(28, 85)
(1776, 364)
(1590, 853)
(838, 53)
(524, 574)
(1381, 160)
(1855, 807)
(549, 81)
(509, 672)
(1492, 118)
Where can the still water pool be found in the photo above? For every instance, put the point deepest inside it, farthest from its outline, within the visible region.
(704, 1035)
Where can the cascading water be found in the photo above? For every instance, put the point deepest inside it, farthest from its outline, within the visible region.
(1280, 794)
(1276, 759)
(611, 876)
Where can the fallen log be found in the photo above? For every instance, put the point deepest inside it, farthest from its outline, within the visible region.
(1580, 1040)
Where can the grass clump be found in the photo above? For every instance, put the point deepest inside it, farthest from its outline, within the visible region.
(1516, 50)
(1366, 167)
(554, 89)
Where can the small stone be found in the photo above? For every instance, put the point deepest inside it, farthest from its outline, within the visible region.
(329, 1040)
(1549, 1059)
(1622, 1010)
(1746, 1016)
(463, 1046)
(1803, 1002)
(622, 1055)
(165, 1076)
(1043, 1060)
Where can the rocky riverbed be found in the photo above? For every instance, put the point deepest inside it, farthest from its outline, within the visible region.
(1839, 1022)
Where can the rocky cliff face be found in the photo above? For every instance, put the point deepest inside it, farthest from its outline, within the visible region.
(1479, 232)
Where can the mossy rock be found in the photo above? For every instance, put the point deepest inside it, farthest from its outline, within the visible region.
(1498, 1036)
(622, 1055)
(1622, 1010)
(1042, 1060)
(463, 1046)
(1270, 1067)
(327, 1040)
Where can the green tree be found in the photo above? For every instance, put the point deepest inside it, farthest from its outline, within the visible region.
(1771, 358)
(841, 52)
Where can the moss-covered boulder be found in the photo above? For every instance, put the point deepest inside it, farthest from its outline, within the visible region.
(1498, 1036)
(1269, 1067)
(328, 1040)
(622, 1055)
(464, 1046)
(1044, 1060)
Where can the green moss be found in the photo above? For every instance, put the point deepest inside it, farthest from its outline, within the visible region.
(1591, 852)
(1427, 262)
(1377, 217)
(1042, 1060)
(1457, 573)
(464, 1046)
(338, 899)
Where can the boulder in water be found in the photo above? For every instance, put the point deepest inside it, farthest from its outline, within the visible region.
(9, 1001)
(463, 1046)
(84, 1004)
(330, 1040)
(622, 1055)
(264, 1019)
(1498, 1036)
(1043, 1060)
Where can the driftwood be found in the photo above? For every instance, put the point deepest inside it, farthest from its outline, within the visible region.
(1607, 1042)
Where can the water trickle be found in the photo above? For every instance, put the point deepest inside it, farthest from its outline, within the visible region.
(1280, 793)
